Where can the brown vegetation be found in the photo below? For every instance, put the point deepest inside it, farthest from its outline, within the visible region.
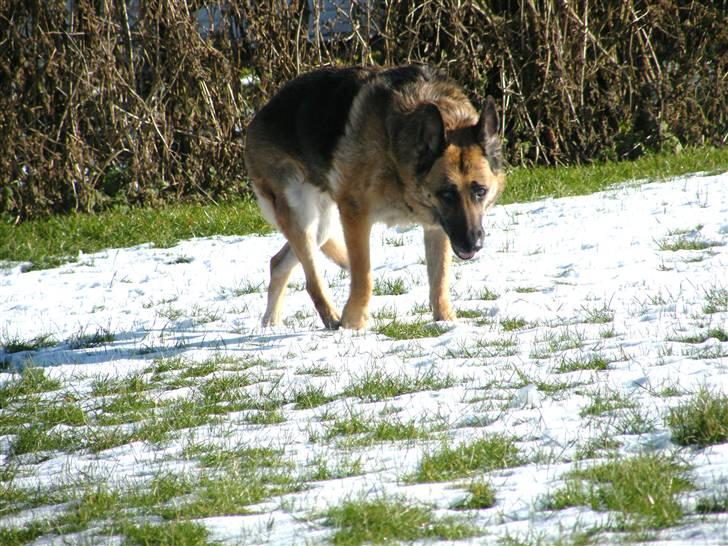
(102, 106)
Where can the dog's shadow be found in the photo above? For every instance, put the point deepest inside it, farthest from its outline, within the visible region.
(142, 345)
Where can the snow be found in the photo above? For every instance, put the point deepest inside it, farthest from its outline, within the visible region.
(554, 263)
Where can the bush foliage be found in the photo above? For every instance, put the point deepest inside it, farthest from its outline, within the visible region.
(105, 102)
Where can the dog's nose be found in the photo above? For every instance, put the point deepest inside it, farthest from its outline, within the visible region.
(475, 238)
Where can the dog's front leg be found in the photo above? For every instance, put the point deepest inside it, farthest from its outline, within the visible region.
(437, 253)
(357, 229)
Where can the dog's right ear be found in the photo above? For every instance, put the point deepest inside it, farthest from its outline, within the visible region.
(486, 134)
(419, 136)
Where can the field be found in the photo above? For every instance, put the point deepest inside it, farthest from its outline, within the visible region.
(582, 397)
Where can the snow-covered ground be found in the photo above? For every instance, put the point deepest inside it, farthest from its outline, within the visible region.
(574, 278)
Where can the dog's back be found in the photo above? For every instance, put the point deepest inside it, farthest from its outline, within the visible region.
(306, 119)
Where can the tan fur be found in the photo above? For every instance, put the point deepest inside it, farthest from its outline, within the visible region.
(373, 177)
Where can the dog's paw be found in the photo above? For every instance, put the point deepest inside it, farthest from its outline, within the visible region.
(444, 312)
(270, 320)
(448, 316)
(354, 320)
(331, 320)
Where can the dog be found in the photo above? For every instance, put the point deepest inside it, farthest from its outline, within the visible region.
(359, 146)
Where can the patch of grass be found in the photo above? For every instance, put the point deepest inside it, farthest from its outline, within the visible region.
(685, 231)
(716, 504)
(686, 243)
(389, 287)
(95, 505)
(525, 290)
(629, 487)
(179, 533)
(316, 370)
(635, 420)
(324, 470)
(180, 260)
(597, 447)
(231, 490)
(162, 366)
(379, 385)
(481, 455)
(498, 348)
(18, 536)
(353, 424)
(706, 353)
(595, 362)
(533, 183)
(409, 330)
(125, 408)
(88, 341)
(576, 538)
(248, 459)
(603, 402)
(224, 392)
(204, 315)
(14, 499)
(98, 439)
(469, 313)
(161, 489)
(552, 388)
(17, 345)
(670, 390)
(480, 496)
(37, 437)
(553, 342)
(510, 324)
(173, 416)
(386, 431)
(597, 315)
(394, 241)
(242, 289)
(716, 300)
(30, 381)
(484, 348)
(462, 350)
(701, 421)
(383, 521)
(170, 313)
(56, 240)
(717, 333)
(266, 417)
(368, 432)
(311, 397)
(387, 312)
(486, 294)
(135, 383)
(201, 369)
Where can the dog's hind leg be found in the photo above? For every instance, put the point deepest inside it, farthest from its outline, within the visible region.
(303, 215)
(281, 266)
(303, 245)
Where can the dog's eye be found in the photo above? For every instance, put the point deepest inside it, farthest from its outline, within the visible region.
(479, 192)
(449, 195)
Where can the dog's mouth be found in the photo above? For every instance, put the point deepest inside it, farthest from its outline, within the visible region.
(463, 255)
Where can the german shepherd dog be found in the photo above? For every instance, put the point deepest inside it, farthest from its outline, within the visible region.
(400, 146)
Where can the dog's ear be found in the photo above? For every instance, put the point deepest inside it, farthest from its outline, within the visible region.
(419, 136)
(486, 134)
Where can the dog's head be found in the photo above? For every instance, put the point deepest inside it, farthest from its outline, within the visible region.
(458, 173)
